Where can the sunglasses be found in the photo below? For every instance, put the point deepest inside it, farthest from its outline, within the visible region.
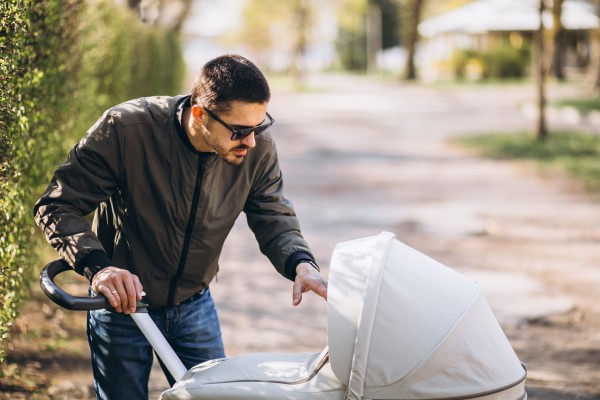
(240, 133)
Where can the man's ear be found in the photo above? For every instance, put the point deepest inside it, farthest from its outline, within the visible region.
(198, 113)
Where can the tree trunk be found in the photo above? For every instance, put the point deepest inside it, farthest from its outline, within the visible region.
(412, 38)
(540, 73)
(593, 68)
(558, 37)
(301, 22)
(374, 37)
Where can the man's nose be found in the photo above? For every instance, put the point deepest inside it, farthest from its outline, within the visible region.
(249, 140)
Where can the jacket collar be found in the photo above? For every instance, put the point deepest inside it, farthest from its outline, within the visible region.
(181, 104)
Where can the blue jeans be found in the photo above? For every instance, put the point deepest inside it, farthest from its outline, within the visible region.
(122, 357)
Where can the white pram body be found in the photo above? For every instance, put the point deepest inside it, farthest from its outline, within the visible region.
(400, 326)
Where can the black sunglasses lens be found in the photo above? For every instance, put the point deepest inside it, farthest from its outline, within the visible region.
(242, 133)
(260, 129)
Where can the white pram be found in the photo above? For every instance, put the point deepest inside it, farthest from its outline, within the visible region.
(400, 326)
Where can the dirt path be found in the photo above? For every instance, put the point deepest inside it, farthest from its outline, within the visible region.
(360, 157)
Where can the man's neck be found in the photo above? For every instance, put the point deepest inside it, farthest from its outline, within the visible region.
(195, 137)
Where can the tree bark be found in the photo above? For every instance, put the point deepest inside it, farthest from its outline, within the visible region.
(558, 37)
(412, 38)
(301, 22)
(540, 73)
(374, 37)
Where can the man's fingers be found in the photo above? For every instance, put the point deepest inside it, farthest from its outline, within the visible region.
(121, 288)
(118, 281)
(297, 293)
(138, 287)
(131, 294)
(112, 298)
(320, 288)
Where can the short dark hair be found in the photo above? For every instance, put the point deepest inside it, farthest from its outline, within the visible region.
(228, 78)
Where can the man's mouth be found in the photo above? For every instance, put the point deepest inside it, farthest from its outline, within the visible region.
(240, 151)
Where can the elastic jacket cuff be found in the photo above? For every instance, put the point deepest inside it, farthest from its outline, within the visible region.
(296, 258)
(92, 263)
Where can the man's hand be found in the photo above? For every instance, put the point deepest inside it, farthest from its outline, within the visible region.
(121, 288)
(308, 278)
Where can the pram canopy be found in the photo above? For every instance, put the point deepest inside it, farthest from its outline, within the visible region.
(400, 326)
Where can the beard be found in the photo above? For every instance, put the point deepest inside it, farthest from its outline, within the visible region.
(230, 157)
(224, 152)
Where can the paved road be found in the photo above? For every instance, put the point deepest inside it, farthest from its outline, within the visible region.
(360, 157)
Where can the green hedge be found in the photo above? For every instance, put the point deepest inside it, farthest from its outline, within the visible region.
(62, 63)
(498, 62)
(32, 67)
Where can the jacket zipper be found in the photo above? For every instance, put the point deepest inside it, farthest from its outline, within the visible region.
(188, 231)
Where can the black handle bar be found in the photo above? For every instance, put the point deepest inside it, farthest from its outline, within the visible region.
(61, 297)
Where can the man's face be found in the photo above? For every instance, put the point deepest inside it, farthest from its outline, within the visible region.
(218, 136)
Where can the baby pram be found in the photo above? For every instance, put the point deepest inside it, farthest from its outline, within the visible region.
(400, 326)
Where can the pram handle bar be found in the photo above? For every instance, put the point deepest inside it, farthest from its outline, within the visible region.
(140, 317)
(62, 298)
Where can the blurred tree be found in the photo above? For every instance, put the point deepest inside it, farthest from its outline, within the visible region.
(558, 40)
(302, 14)
(539, 71)
(260, 19)
(374, 37)
(413, 12)
(167, 13)
(594, 67)
(364, 28)
(383, 28)
(274, 28)
(351, 39)
(390, 21)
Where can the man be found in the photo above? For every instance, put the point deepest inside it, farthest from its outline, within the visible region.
(167, 178)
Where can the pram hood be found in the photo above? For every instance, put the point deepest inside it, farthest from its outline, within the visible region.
(403, 326)
(400, 326)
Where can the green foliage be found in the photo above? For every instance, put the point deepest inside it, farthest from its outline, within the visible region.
(586, 104)
(463, 59)
(351, 49)
(123, 60)
(351, 42)
(31, 36)
(287, 26)
(498, 62)
(62, 63)
(506, 61)
(575, 153)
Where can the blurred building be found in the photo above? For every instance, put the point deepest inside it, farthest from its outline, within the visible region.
(485, 24)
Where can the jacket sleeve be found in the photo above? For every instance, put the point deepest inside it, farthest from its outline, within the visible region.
(87, 177)
(273, 220)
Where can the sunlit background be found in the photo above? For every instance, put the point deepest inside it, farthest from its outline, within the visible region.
(469, 128)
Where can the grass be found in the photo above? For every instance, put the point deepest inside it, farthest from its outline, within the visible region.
(585, 104)
(577, 154)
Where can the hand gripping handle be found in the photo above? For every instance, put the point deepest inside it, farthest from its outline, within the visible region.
(67, 301)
